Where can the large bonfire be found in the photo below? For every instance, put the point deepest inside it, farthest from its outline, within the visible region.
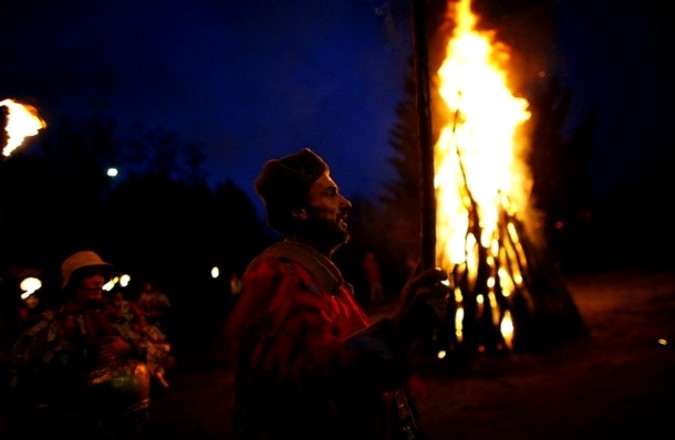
(503, 297)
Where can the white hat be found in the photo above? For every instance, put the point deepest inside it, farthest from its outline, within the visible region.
(79, 260)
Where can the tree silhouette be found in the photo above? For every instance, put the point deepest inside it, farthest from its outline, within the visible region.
(561, 170)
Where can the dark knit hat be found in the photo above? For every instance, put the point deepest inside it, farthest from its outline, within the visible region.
(283, 185)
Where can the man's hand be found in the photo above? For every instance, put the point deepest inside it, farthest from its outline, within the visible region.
(422, 285)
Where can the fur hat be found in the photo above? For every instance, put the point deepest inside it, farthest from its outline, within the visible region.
(80, 260)
(284, 184)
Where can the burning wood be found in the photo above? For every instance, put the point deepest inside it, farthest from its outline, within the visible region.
(18, 121)
(504, 297)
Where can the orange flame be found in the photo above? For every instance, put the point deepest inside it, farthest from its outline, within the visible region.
(477, 170)
(22, 121)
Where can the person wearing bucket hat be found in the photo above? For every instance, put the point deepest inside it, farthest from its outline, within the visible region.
(308, 363)
(81, 260)
(85, 368)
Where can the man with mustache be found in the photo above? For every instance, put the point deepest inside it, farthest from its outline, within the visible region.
(308, 362)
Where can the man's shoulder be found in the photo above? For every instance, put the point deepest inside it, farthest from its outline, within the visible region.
(303, 258)
(272, 265)
(276, 254)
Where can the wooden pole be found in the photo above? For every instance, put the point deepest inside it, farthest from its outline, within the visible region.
(4, 136)
(427, 193)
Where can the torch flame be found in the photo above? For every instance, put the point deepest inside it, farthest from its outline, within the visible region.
(478, 176)
(22, 121)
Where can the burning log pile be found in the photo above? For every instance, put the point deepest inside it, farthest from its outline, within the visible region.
(504, 295)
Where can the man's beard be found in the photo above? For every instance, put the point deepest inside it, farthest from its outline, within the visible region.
(325, 235)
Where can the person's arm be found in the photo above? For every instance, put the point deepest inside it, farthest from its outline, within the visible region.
(389, 338)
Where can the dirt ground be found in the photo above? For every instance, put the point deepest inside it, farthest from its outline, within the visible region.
(618, 382)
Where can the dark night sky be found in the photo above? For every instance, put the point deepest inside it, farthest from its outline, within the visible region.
(618, 58)
(254, 79)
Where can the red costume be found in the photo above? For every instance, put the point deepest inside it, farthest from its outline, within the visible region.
(307, 362)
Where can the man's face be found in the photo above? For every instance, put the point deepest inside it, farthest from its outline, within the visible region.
(326, 225)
